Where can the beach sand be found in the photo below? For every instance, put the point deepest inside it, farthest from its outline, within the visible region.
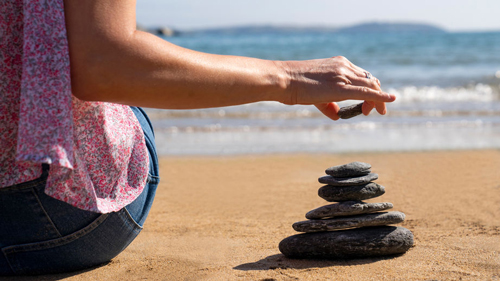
(221, 218)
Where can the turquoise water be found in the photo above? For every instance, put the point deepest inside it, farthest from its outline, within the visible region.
(447, 87)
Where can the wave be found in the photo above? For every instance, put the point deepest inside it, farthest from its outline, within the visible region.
(338, 138)
(479, 93)
(338, 127)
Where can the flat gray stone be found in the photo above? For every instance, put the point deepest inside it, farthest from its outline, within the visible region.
(354, 243)
(354, 169)
(375, 219)
(347, 208)
(346, 193)
(335, 181)
(350, 111)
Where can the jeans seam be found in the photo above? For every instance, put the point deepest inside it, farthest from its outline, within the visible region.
(36, 246)
(45, 212)
(145, 117)
(152, 152)
(134, 223)
(24, 185)
(8, 261)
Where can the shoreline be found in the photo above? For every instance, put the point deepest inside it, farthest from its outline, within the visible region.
(222, 217)
(317, 153)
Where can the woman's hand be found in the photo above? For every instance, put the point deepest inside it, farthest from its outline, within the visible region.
(325, 81)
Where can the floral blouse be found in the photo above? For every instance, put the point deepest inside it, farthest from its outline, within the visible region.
(96, 151)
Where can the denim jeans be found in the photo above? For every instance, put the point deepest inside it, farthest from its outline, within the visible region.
(40, 235)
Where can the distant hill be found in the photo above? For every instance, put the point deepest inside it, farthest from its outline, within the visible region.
(256, 29)
(391, 27)
(261, 29)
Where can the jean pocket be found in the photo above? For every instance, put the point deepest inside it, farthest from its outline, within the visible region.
(139, 209)
(95, 244)
(131, 221)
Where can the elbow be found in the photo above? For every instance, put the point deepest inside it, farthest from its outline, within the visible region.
(83, 89)
(97, 68)
(89, 78)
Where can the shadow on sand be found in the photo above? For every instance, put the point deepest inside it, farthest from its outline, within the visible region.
(49, 277)
(280, 261)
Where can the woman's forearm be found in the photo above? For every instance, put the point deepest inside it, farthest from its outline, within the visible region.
(111, 61)
(151, 72)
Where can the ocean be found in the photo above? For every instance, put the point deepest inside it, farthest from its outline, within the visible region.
(447, 87)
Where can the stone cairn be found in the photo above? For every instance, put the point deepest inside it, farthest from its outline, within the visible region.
(350, 228)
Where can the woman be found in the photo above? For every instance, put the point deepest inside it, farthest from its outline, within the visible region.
(78, 164)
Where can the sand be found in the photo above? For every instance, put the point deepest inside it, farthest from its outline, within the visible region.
(221, 218)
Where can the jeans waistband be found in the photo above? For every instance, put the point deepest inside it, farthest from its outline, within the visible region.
(29, 184)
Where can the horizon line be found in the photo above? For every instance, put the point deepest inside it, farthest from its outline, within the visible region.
(313, 25)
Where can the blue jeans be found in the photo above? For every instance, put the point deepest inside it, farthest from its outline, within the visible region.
(40, 235)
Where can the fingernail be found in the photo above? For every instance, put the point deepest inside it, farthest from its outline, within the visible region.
(391, 97)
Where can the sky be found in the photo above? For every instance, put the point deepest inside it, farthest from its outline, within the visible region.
(456, 15)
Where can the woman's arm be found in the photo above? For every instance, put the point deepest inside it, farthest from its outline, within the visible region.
(112, 61)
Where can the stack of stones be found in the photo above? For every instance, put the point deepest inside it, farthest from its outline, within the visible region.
(350, 228)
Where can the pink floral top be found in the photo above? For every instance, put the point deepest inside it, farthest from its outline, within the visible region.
(96, 151)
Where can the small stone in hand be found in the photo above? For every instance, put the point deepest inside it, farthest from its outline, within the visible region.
(351, 111)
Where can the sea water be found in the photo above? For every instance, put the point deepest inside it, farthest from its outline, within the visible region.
(447, 87)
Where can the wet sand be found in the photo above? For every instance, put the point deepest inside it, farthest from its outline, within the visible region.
(221, 218)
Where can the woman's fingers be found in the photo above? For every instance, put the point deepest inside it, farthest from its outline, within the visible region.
(372, 83)
(341, 80)
(330, 110)
(361, 74)
(381, 108)
(352, 92)
(359, 77)
(367, 107)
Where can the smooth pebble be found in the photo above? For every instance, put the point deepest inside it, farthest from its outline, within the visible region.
(353, 169)
(347, 208)
(374, 219)
(350, 111)
(336, 181)
(354, 243)
(346, 193)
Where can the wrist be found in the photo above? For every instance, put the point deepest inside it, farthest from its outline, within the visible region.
(282, 79)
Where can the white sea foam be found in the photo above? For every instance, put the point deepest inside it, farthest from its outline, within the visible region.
(426, 136)
(479, 92)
